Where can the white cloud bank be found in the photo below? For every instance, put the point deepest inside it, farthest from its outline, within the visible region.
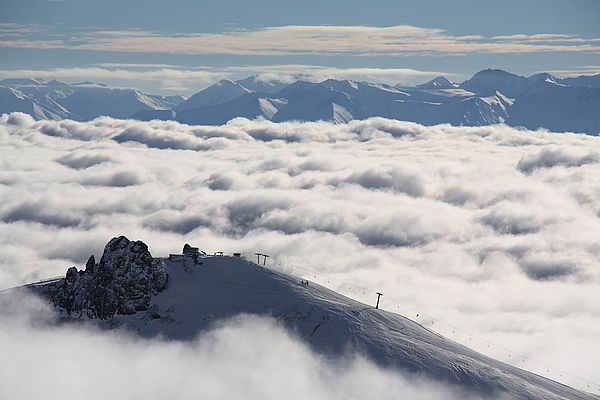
(247, 357)
(494, 229)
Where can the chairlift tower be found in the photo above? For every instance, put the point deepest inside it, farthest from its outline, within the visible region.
(264, 256)
(378, 297)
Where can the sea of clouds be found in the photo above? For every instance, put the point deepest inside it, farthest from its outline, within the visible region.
(493, 229)
(247, 357)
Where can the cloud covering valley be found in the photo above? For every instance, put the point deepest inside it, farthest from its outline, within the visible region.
(494, 229)
(237, 358)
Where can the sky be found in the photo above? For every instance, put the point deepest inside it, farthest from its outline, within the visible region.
(408, 209)
(182, 46)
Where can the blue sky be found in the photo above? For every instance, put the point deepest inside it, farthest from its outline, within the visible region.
(181, 46)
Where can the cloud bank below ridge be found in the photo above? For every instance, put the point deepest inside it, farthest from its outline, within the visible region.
(495, 229)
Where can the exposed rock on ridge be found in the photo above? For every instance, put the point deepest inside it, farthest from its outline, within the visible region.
(122, 283)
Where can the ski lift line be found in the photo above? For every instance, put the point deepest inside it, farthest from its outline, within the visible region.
(274, 263)
(456, 329)
(437, 321)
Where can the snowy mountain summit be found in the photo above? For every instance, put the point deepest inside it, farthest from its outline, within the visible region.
(491, 96)
(441, 82)
(182, 295)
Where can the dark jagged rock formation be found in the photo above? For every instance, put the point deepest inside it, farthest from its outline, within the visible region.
(123, 282)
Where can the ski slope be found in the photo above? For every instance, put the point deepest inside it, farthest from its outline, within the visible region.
(212, 288)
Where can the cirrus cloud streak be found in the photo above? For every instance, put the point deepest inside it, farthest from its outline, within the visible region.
(395, 40)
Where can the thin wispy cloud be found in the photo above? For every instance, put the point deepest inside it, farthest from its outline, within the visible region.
(319, 72)
(8, 29)
(193, 79)
(358, 40)
(169, 77)
(583, 70)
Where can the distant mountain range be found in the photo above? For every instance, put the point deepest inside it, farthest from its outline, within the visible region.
(491, 96)
(80, 101)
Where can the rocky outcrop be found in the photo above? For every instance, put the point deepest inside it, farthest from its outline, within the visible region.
(122, 283)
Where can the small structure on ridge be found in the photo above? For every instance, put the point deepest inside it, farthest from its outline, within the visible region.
(187, 253)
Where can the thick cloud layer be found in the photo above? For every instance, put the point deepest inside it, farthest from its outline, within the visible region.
(493, 229)
(247, 357)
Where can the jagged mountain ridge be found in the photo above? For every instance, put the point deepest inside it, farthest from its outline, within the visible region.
(489, 97)
(80, 101)
(122, 283)
(202, 290)
(438, 101)
(219, 93)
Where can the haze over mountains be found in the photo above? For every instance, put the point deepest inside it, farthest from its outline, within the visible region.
(490, 97)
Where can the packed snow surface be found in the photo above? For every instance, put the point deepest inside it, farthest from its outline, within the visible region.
(204, 289)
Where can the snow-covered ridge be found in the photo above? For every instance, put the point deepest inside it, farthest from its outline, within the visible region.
(202, 289)
(79, 101)
(489, 97)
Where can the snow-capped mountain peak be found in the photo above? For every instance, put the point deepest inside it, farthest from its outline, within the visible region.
(218, 93)
(489, 97)
(263, 84)
(440, 82)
